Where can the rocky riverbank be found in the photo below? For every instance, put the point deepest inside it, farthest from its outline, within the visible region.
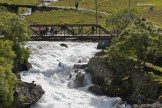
(127, 86)
(26, 94)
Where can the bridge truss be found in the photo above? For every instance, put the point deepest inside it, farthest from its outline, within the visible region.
(61, 32)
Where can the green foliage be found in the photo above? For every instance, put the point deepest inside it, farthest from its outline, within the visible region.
(6, 53)
(21, 99)
(120, 20)
(130, 50)
(154, 67)
(155, 39)
(12, 52)
(7, 78)
(157, 78)
(30, 2)
(16, 30)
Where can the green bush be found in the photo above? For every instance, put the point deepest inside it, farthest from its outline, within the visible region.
(7, 78)
(12, 53)
(16, 30)
(130, 50)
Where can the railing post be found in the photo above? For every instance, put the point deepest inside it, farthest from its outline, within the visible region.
(99, 31)
(82, 30)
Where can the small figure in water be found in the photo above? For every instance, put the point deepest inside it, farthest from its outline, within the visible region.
(70, 76)
(60, 64)
(125, 103)
(79, 61)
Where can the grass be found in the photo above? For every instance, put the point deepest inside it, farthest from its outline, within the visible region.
(116, 5)
(103, 5)
(31, 2)
(157, 68)
(156, 78)
(65, 16)
(110, 6)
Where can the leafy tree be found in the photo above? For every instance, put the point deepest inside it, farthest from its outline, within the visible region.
(7, 78)
(155, 39)
(131, 49)
(120, 20)
(12, 53)
(16, 30)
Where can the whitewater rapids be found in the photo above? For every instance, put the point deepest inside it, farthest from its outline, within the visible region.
(54, 79)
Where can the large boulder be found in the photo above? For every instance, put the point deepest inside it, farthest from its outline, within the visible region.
(23, 67)
(79, 80)
(98, 90)
(27, 94)
(99, 69)
(103, 44)
(126, 86)
(146, 86)
(119, 88)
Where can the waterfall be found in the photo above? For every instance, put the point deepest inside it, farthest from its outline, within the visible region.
(87, 79)
(54, 80)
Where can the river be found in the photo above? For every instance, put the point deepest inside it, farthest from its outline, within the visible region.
(54, 79)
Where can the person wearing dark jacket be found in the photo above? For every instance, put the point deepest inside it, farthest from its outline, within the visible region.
(76, 5)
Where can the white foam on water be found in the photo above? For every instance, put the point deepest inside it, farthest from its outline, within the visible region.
(53, 79)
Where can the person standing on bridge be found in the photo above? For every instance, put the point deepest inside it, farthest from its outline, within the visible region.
(76, 5)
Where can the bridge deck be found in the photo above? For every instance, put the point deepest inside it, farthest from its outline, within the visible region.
(71, 38)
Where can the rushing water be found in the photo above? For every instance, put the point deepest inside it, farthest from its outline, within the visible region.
(54, 79)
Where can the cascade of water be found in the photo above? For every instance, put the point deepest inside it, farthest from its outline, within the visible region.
(54, 80)
(87, 79)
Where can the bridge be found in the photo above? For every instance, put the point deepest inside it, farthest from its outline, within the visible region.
(71, 32)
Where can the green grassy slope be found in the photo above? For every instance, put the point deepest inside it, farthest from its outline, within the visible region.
(32, 2)
(103, 5)
(68, 17)
(116, 5)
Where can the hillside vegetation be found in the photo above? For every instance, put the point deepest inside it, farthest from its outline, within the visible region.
(32, 2)
(150, 9)
(65, 16)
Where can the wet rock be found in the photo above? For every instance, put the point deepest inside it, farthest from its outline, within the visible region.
(79, 80)
(63, 45)
(96, 90)
(23, 67)
(154, 105)
(80, 66)
(146, 86)
(101, 53)
(160, 99)
(99, 70)
(103, 44)
(40, 47)
(126, 86)
(27, 94)
(76, 71)
(117, 103)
